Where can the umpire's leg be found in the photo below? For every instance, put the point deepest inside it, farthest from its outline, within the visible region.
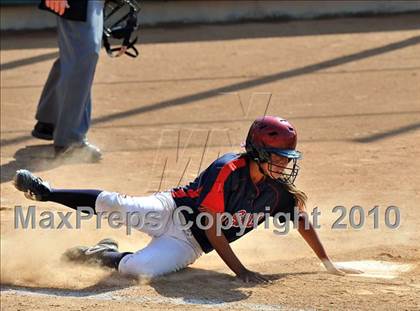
(48, 104)
(80, 44)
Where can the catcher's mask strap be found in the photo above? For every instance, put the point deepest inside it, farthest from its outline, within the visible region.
(112, 51)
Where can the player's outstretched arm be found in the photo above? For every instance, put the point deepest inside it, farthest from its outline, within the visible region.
(311, 237)
(222, 247)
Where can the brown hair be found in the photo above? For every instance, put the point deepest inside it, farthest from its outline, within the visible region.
(299, 195)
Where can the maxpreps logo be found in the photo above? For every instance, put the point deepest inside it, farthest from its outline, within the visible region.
(243, 219)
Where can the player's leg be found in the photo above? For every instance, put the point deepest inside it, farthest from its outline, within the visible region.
(37, 189)
(180, 248)
(105, 253)
(149, 214)
(162, 255)
(172, 251)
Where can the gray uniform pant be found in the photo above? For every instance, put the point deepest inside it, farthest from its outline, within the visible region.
(66, 98)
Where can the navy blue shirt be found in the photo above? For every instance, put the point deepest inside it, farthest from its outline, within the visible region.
(226, 186)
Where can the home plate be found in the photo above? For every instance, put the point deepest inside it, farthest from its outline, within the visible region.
(376, 269)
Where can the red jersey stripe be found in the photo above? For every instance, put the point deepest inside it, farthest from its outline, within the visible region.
(180, 193)
(215, 200)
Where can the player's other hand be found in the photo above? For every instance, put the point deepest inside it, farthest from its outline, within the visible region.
(343, 271)
(337, 270)
(58, 6)
(248, 276)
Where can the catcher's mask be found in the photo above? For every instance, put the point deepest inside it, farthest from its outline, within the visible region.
(120, 22)
(273, 135)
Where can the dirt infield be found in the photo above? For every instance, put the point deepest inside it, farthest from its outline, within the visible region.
(350, 86)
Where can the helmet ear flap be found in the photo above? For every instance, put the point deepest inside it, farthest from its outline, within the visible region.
(264, 156)
(259, 155)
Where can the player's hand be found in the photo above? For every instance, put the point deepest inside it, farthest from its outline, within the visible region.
(58, 6)
(342, 271)
(252, 277)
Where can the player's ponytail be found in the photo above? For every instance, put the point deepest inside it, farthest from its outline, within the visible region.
(299, 195)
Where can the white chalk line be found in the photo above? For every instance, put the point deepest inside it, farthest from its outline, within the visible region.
(203, 303)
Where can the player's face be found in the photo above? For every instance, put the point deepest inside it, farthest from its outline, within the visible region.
(278, 164)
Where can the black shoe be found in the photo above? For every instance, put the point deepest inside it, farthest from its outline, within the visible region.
(83, 151)
(90, 255)
(34, 187)
(43, 130)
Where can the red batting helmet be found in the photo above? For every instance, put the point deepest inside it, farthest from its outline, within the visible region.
(270, 134)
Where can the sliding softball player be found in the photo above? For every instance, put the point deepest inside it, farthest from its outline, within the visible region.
(259, 182)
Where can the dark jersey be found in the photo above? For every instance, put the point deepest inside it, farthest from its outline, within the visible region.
(226, 186)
